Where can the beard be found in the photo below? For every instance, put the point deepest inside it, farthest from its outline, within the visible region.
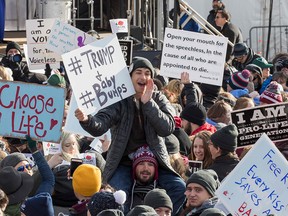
(188, 129)
(144, 181)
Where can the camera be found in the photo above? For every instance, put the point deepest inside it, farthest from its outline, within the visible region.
(15, 58)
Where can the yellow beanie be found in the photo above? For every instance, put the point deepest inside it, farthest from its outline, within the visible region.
(86, 180)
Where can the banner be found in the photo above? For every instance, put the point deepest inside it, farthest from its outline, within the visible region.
(202, 55)
(65, 38)
(31, 109)
(37, 32)
(98, 74)
(253, 122)
(258, 184)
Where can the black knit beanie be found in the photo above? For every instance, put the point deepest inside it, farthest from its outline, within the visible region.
(13, 45)
(157, 198)
(140, 62)
(195, 113)
(226, 138)
(207, 179)
(111, 212)
(141, 210)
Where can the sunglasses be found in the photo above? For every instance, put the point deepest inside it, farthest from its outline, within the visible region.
(22, 168)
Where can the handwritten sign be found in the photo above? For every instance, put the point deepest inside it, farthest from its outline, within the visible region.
(258, 184)
(72, 124)
(126, 47)
(37, 34)
(32, 109)
(202, 55)
(65, 38)
(253, 122)
(119, 25)
(98, 74)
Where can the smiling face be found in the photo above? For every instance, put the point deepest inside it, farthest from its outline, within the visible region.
(145, 172)
(198, 149)
(139, 77)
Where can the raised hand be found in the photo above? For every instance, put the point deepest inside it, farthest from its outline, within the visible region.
(148, 92)
(80, 115)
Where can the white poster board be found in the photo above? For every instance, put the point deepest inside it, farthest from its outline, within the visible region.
(98, 74)
(202, 55)
(72, 124)
(37, 32)
(119, 25)
(65, 38)
(258, 185)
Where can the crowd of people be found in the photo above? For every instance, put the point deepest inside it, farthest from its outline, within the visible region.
(172, 143)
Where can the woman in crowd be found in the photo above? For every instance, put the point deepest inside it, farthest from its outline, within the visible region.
(219, 114)
(200, 150)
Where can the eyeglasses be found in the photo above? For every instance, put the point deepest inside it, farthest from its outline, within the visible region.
(217, 17)
(22, 168)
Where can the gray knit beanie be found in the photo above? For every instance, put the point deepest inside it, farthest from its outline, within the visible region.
(13, 159)
(212, 212)
(207, 179)
(140, 62)
(226, 138)
(142, 210)
(157, 198)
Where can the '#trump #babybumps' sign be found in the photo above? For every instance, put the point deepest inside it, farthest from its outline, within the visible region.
(202, 55)
(35, 110)
(253, 122)
(258, 185)
(98, 74)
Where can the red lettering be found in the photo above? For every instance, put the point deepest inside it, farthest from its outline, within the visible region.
(50, 103)
(1, 104)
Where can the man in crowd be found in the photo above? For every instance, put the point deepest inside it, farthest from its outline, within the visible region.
(194, 119)
(228, 30)
(144, 118)
(216, 5)
(145, 175)
(243, 55)
(200, 192)
(13, 60)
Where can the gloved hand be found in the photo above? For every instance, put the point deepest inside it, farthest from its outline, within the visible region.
(31, 144)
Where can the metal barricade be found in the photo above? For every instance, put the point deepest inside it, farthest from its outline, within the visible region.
(278, 42)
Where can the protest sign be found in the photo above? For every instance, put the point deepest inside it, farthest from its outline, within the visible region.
(51, 148)
(253, 122)
(98, 74)
(31, 109)
(126, 47)
(88, 158)
(119, 25)
(37, 32)
(65, 38)
(25, 49)
(202, 55)
(72, 124)
(258, 184)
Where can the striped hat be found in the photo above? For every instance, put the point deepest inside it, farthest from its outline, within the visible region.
(272, 94)
(144, 154)
(239, 80)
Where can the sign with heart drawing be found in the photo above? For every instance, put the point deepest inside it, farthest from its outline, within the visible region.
(31, 109)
